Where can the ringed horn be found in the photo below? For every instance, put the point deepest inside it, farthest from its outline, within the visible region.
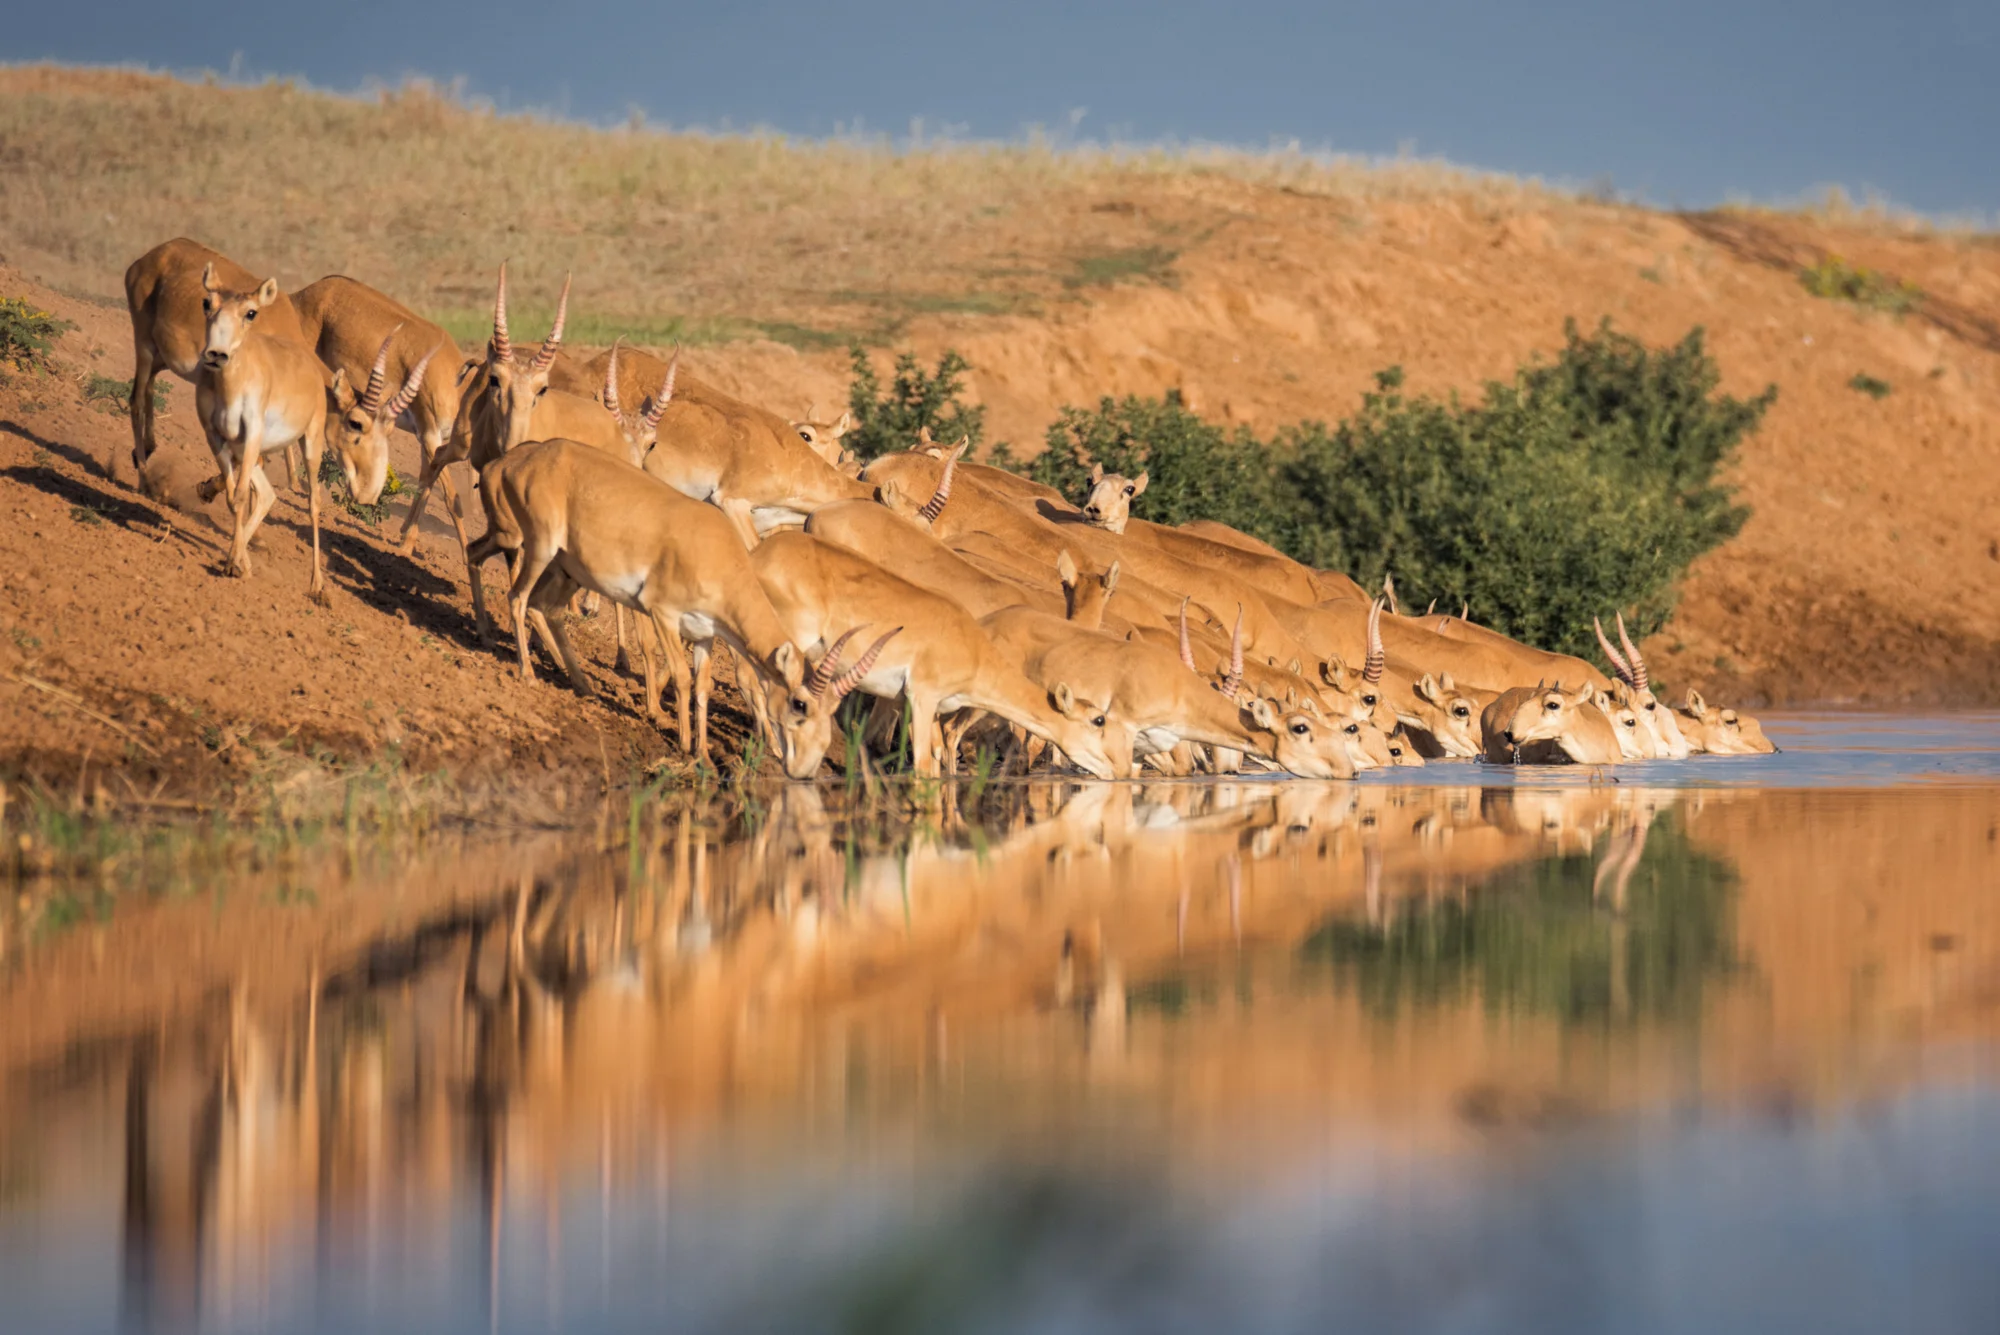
(1232, 683)
(1377, 659)
(611, 381)
(826, 673)
(503, 347)
(658, 406)
(371, 398)
(1630, 667)
(1187, 650)
(934, 507)
(545, 356)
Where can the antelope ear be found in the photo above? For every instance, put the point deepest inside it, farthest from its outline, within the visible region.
(1295, 667)
(890, 493)
(1445, 683)
(208, 277)
(343, 393)
(267, 292)
(1604, 702)
(1111, 580)
(1096, 474)
(1061, 697)
(1333, 672)
(1139, 484)
(1263, 715)
(1065, 568)
(789, 664)
(1695, 704)
(843, 426)
(1427, 689)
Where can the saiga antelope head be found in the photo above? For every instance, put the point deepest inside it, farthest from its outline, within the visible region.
(230, 316)
(1630, 668)
(358, 427)
(516, 388)
(1109, 503)
(800, 703)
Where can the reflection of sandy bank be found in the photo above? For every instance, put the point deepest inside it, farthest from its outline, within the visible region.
(1239, 967)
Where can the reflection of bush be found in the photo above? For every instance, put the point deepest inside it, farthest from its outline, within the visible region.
(1533, 939)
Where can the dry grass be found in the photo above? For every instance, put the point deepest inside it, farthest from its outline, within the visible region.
(672, 235)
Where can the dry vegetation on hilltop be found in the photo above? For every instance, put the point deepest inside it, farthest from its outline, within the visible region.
(1265, 289)
(671, 235)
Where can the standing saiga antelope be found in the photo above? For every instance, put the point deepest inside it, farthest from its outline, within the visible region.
(165, 294)
(258, 392)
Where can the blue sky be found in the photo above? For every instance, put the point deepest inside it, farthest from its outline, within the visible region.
(1681, 104)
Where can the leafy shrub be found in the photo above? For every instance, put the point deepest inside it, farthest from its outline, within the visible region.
(885, 423)
(111, 396)
(1864, 383)
(1584, 485)
(1837, 280)
(336, 487)
(1198, 471)
(28, 334)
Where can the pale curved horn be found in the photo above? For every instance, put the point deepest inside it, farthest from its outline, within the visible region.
(1187, 650)
(503, 347)
(1638, 663)
(1618, 663)
(935, 505)
(1389, 592)
(1463, 608)
(412, 384)
(852, 677)
(611, 381)
(378, 375)
(665, 396)
(1230, 684)
(546, 357)
(1372, 665)
(823, 671)
(1432, 608)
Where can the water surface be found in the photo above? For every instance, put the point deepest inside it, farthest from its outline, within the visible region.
(1702, 1045)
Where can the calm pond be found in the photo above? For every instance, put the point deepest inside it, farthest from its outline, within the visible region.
(1685, 1046)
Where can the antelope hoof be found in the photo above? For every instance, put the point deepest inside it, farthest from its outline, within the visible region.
(240, 569)
(408, 545)
(319, 595)
(623, 663)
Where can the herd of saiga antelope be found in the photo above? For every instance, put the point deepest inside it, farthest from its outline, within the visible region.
(716, 520)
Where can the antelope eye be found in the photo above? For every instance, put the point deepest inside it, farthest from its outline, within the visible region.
(800, 707)
(250, 314)
(1461, 711)
(1552, 705)
(543, 390)
(1130, 491)
(1097, 722)
(806, 435)
(357, 424)
(1353, 730)
(1649, 705)
(1395, 750)
(1368, 700)
(1300, 730)
(208, 305)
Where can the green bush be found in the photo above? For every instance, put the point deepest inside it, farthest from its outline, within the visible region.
(1837, 280)
(1197, 471)
(1863, 383)
(1584, 485)
(335, 481)
(111, 396)
(885, 423)
(28, 334)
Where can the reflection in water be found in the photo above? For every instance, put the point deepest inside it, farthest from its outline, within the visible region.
(1058, 1054)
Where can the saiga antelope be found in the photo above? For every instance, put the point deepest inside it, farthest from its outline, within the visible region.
(165, 294)
(256, 392)
(594, 521)
(1631, 669)
(1722, 732)
(1586, 725)
(355, 328)
(943, 661)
